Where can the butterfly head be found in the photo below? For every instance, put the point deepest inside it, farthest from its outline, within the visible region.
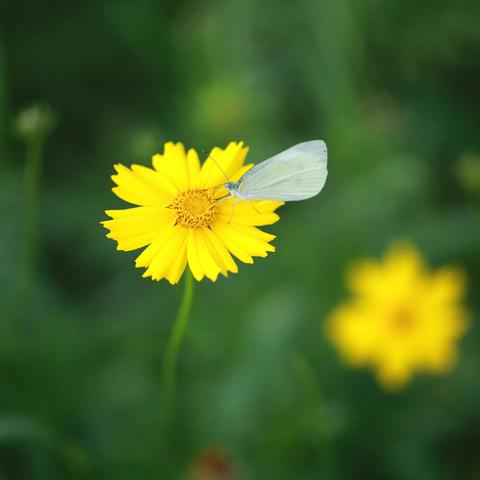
(232, 187)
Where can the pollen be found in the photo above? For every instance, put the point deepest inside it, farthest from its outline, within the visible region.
(194, 208)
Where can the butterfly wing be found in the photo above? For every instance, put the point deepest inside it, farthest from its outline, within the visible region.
(297, 173)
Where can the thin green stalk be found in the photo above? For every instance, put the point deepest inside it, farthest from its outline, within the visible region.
(30, 213)
(314, 401)
(174, 342)
(3, 98)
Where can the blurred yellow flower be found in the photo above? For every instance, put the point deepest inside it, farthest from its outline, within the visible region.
(183, 218)
(403, 318)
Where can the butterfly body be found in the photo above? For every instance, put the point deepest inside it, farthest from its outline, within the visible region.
(297, 173)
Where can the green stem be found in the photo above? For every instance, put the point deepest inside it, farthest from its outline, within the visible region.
(175, 340)
(314, 399)
(3, 98)
(30, 196)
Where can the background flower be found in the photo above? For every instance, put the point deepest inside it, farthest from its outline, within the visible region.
(402, 319)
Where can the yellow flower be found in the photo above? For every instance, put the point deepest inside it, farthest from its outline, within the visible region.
(183, 217)
(403, 318)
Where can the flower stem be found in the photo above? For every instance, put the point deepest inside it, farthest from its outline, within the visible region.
(319, 430)
(174, 342)
(30, 197)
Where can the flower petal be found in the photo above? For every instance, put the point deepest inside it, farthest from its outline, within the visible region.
(133, 188)
(220, 251)
(221, 163)
(254, 212)
(193, 256)
(255, 241)
(212, 266)
(193, 165)
(167, 260)
(136, 227)
(154, 212)
(229, 239)
(147, 256)
(173, 165)
(156, 180)
(178, 266)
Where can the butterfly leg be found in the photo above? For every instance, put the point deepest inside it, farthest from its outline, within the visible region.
(254, 207)
(233, 209)
(223, 199)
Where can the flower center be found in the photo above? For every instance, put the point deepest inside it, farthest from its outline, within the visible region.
(402, 320)
(194, 208)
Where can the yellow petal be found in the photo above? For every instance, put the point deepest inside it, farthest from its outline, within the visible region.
(394, 376)
(178, 266)
(167, 260)
(255, 213)
(248, 207)
(226, 162)
(136, 241)
(447, 285)
(193, 256)
(224, 257)
(147, 256)
(173, 165)
(136, 212)
(193, 164)
(212, 265)
(158, 182)
(136, 227)
(253, 236)
(228, 238)
(133, 189)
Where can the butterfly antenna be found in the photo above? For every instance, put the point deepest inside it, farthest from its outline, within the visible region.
(217, 164)
(216, 186)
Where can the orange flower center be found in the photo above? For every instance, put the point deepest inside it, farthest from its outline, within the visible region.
(403, 320)
(195, 208)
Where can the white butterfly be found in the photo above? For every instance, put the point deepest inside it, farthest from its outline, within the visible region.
(297, 173)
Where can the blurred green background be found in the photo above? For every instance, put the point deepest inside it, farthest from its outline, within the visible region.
(392, 87)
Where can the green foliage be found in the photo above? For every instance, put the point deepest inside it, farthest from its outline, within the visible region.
(391, 86)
